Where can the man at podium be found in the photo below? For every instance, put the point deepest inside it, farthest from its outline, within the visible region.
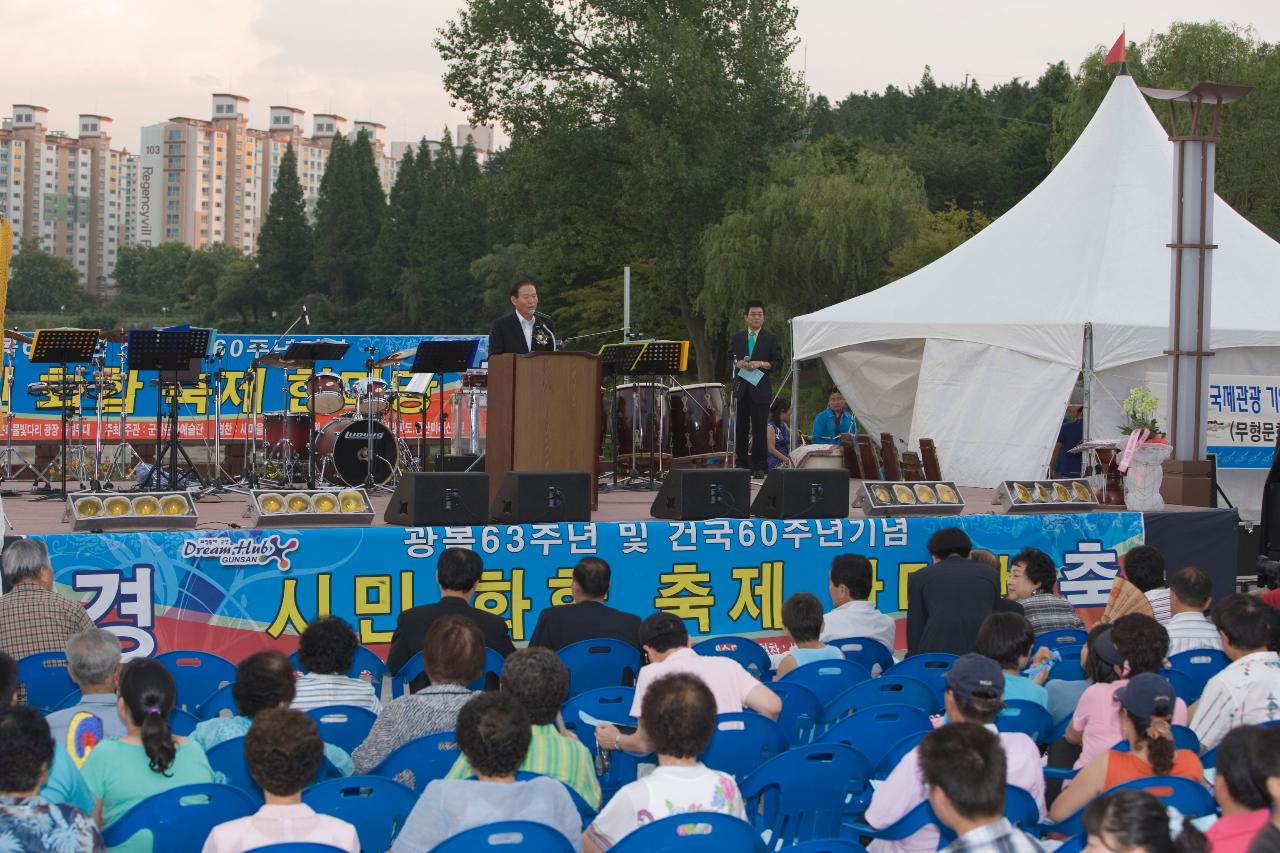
(523, 330)
(755, 354)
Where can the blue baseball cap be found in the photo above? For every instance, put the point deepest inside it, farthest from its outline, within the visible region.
(972, 674)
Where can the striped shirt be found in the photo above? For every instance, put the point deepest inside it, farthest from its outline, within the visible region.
(1047, 612)
(315, 690)
(562, 757)
(1189, 631)
(35, 620)
(1160, 606)
(432, 709)
(998, 837)
(1245, 693)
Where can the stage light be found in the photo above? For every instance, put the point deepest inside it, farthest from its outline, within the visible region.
(111, 511)
(310, 508)
(1030, 496)
(921, 497)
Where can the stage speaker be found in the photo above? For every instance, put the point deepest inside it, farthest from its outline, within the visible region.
(803, 493)
(535, 497)
(462, 462)
(438, 499)
(694, 494)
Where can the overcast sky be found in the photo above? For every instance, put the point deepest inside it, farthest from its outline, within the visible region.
(142, 62)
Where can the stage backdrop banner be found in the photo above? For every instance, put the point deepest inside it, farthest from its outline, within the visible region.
(36, 417)
(236, 591)
(1244, 412)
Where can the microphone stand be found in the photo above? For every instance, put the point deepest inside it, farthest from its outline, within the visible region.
(251, 386)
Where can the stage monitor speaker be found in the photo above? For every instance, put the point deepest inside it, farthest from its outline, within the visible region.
(536, 497)
(438, 499)
(694, 494)
(462, 462)
(803, 493)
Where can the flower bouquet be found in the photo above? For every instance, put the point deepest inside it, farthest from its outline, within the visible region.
(1143, 452)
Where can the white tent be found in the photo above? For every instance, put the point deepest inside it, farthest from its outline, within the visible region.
(980, 349)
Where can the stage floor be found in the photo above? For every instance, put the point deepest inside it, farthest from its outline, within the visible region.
(25, 515)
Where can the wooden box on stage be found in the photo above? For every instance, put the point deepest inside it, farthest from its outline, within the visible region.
(544, 415)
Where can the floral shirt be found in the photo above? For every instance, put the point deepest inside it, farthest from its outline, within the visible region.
(669, 790)
(34, 825)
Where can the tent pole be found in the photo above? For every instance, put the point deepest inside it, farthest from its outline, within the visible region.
(795, 385)
(1087, 415)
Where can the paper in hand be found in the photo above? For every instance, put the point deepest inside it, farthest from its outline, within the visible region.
(752, 376)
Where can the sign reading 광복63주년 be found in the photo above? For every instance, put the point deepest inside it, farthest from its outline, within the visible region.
(1244, 418)
(235, 591)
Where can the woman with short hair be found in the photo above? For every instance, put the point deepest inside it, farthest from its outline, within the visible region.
(326, 651)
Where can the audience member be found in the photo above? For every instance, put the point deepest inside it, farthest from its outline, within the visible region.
(453, 657)
(678, 717)
(850, 583)
(1245, 692)
(283, 751)
(458, 573)
(1146, 703)
(1190, 591)
(587, 617)
(149, 759)
(1065, 694)
(948, 601)
(1140, 644)
(93, 662)
(494, 734)
(963, 767)
(28, 822)
(34, 618)
(263, 680)
(802, 620)
(1007, 638)
(665, 642)
(538, 680)
(1266, 769)
(974, 687)
(1032, 577)
(1240, 794)
(985, 556)
(326, 650)
(1141, 589)
(1136, 822)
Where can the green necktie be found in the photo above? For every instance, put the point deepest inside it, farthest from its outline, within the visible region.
(751, 343)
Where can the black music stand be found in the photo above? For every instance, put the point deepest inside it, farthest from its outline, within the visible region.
(63, 346)
(439, 358)
(321, 349)
(175, 354)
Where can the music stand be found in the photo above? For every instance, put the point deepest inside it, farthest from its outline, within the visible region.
(441, 357)
(619, 359)
(63, 346)
(174, 353)
(321, 349)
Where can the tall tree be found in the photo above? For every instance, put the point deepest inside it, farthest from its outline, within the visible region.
(284, 244)
(200, 282)
(392, 273)
(40, 281)
(330, 266)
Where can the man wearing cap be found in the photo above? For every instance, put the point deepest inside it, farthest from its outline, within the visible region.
(975, 687)
(665, 642)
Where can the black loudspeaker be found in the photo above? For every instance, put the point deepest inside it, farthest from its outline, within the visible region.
(694, 494)
(803, 493)
(463, 462)
(438, 499)
(533, 497)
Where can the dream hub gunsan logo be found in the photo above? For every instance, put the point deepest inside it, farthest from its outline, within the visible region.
(242, 552)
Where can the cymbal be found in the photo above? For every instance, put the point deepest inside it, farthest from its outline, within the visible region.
(15, 335)
(395, 358)
(115, 336)
(274, 359)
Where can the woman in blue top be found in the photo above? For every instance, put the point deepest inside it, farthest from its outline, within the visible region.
(802, 618)
(779, 433)
(834, 422)
(1007, 639)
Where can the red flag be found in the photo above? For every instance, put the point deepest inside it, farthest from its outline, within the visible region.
(1116, 54)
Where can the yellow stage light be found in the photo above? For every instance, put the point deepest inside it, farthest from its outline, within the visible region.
(310, 508)
(97, 511)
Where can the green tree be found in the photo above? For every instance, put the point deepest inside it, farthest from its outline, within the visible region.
(153, 275)
(940, 232)
(392, 274)
(330, 265)
(239, 292)
(200, 282)
(39, 281)
(284, 243)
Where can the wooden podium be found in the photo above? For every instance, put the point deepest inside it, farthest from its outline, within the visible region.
(544, 415)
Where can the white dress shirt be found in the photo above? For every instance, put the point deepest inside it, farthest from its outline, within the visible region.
(1189, 630)
(526, 326)
(858, 619)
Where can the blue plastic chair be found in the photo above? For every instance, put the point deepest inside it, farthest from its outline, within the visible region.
(1199, 665)
(885, 690)
(585, 811)
(220, 701)
(873, 731)
(182, 723)
(611, 704)
(748, 652)
(741, 742)
(895, 753)
(1068, 669)
(179, 815)
(365, 665)
(1059, 638)
(865, 652)
(1030, 718)
(1184, 737)
(298, 847)
(930, 668)
(1189, 797)
(376, 807)
(600, 663)
(49, 685)
(198, 676)
(402, 681)
(828, 845)
(828, 678)
(1184, 686)
(1021, 809)
(695, 832)
(904, 827)
(801, 717)
(345, 726)
(802, 793)
(426, 758)
(508, 836)
(227, 760)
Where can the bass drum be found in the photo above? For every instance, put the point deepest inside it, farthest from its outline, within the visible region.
(343, 450)
(698, 420)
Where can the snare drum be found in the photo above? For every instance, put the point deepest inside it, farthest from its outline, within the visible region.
(324, 393)
(370, 395)
(283, 432)
(698, 420)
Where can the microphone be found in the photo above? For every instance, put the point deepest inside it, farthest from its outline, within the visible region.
(306, 316)
(544, 318)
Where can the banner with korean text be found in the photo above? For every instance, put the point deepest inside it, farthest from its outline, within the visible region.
(1244, 414)
(236, 591)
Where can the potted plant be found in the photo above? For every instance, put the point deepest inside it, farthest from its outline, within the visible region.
(1142, 452)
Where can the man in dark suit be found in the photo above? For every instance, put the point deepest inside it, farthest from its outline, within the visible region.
(948, 601)
(588, 617)
(754, 349)
(458, 572)
(525, 329)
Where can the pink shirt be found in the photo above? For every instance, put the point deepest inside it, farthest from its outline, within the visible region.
(729, 682)
(280, 825)
(1097, 717)
(905, 789)
(1233, 834)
